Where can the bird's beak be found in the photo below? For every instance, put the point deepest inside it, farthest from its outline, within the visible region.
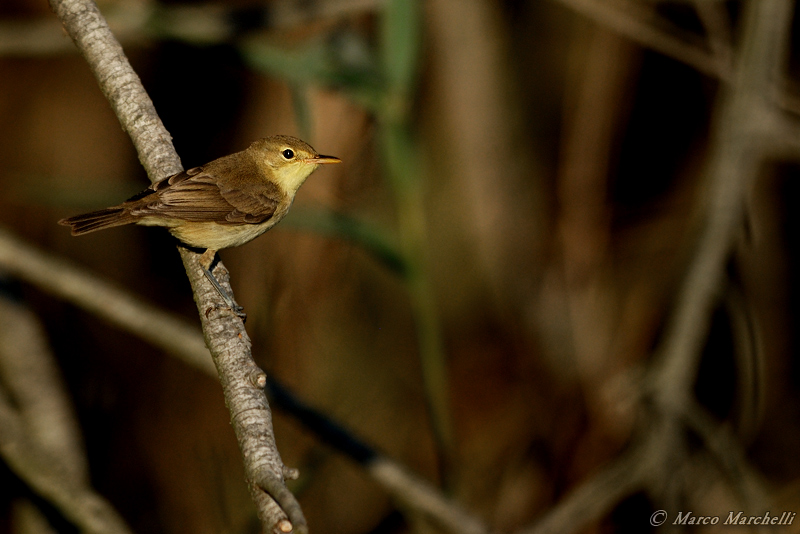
(323, 159)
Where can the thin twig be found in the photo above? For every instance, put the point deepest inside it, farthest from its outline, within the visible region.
(400, 53)
(742, 121)
(224, 332)
(728, 452)
(631, 19)
(595, 497)
(421, 497)
(407, 488)
(717, 24)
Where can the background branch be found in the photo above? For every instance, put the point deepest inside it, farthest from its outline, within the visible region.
(38, 434)
(635, 21)
(60, 277)
(735, 158)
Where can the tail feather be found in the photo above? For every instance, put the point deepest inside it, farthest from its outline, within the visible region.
(98, 220)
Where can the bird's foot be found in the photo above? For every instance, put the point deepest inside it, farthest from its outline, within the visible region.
(237, 310)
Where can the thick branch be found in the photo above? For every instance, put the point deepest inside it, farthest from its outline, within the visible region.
(224, 332)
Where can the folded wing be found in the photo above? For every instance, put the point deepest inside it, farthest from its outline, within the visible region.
(196, 195)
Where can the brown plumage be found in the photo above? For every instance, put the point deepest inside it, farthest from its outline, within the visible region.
(222, 204)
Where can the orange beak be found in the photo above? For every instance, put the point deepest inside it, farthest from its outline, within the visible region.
(323, 159)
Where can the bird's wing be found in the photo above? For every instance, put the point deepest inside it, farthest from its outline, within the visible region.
(196, 195)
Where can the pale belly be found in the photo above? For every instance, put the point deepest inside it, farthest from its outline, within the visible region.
(210, 235)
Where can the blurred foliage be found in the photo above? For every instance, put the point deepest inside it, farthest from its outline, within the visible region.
(342, 60)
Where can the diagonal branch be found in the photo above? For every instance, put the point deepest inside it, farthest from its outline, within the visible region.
(224, 333)
(742, 124)
(39, 438)
(634, 21)
(43, 472)
(637, 23)
(67, 281)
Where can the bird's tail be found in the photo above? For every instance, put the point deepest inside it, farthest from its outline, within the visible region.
(98, 220)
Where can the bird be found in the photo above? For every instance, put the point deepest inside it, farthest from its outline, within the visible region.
(225, 203)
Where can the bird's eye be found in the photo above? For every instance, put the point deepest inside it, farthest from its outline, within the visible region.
(288, 153)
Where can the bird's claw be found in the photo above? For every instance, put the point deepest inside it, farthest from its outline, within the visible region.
(235, 309)
(238, 311)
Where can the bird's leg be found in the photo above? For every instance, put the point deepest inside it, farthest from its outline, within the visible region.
(206, 263)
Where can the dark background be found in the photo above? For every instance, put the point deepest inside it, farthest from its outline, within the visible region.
(562, 166)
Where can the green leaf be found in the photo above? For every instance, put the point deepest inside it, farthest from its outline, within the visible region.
(402, 31)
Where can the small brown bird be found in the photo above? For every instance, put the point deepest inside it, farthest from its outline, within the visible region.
(222, 204)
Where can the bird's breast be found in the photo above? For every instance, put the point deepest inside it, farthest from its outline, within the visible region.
(211, 235)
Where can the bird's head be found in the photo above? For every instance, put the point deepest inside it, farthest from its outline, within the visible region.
(288, 160)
